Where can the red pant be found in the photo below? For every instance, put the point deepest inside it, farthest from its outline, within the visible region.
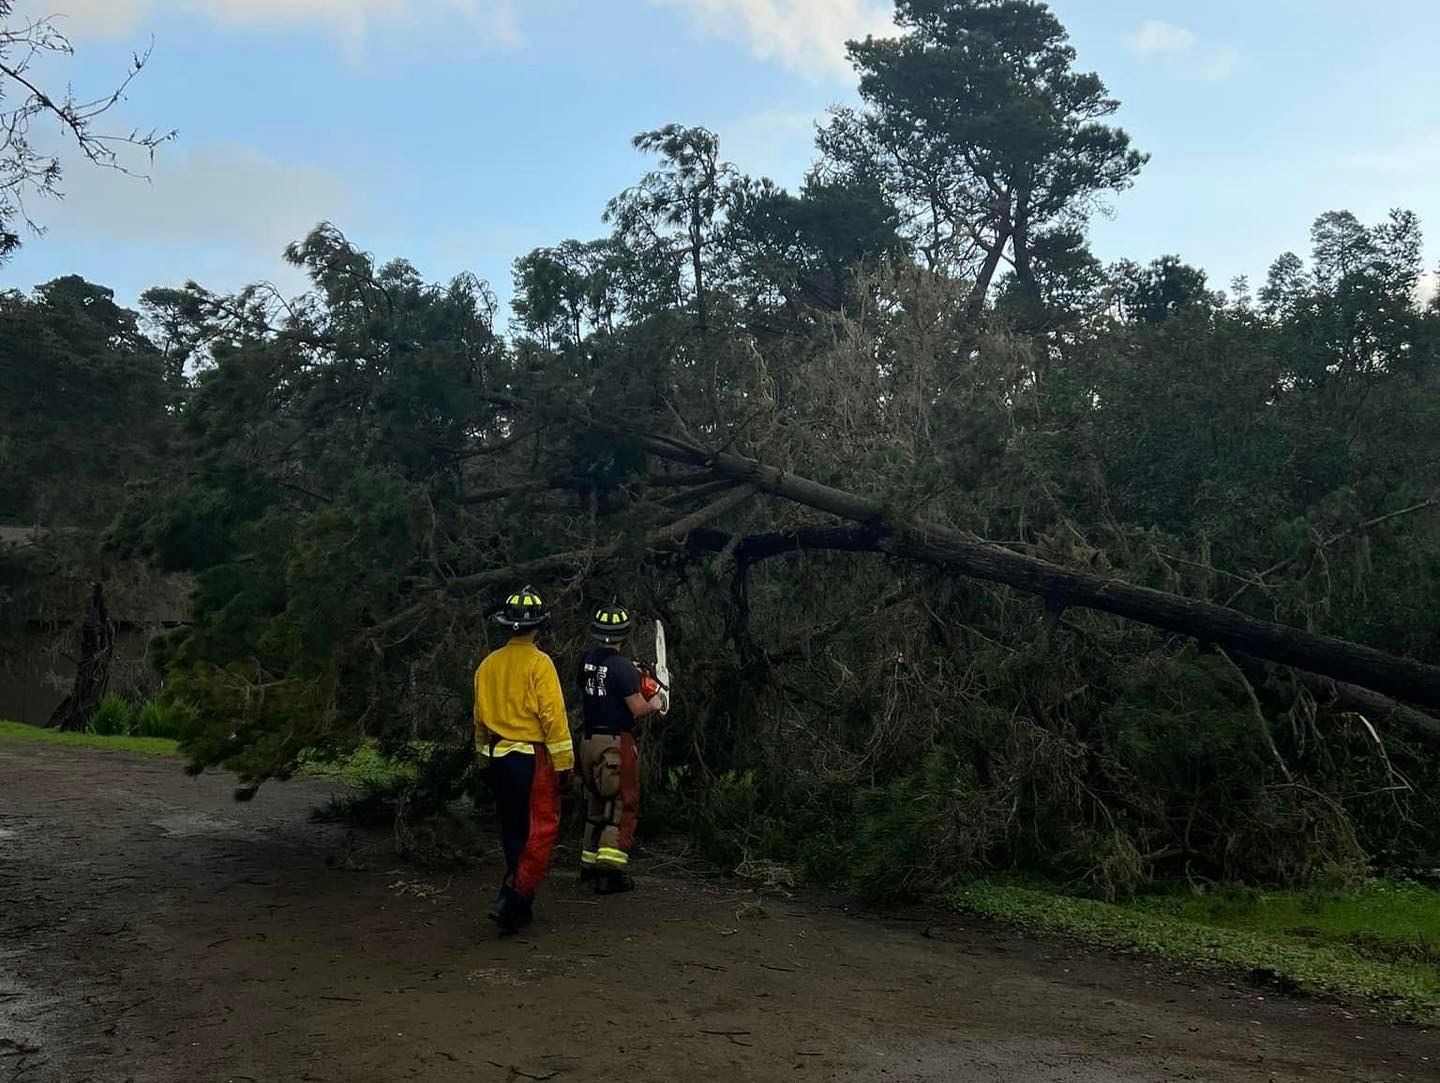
(528, 800)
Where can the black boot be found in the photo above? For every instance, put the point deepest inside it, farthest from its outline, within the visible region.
(512, 911)
(614, 882)
(517, 917)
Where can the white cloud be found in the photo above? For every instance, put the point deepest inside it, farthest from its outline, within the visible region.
(221, 197)
(806, 36)
(1215, 65)
(1428, 288)
(1183, 53)
(1158, 38)
(495, 19)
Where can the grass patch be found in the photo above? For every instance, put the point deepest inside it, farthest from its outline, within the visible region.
(145, 746)
(1381, 943)
(364, 767)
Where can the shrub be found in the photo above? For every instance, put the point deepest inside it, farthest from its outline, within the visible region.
(159, 718)
(920, 832)
(113, 718)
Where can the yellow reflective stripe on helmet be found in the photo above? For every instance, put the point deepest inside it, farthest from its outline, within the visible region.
(610, 856)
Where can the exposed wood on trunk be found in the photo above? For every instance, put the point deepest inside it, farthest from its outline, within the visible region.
(1350, 663)
(92, 669)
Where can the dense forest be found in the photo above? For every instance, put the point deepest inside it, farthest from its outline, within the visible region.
(352, 477)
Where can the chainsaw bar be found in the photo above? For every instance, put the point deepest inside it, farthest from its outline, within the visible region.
(662, 664)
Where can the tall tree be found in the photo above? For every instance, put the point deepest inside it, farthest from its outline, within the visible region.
(672, 218)
(976, 120)
(809, 245)
(1154, 293)
(564, 292)
(1350, 322)
(83, 404)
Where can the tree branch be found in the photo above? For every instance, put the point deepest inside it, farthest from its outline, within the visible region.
(1274, 569)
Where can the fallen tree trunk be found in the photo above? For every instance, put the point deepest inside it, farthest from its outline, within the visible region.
(1382, 710)
(1377, 709)
(1349, 663)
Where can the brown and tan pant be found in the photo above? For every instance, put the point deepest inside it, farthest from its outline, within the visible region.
(610, 769)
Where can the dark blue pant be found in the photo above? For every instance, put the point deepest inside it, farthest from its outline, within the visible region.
(528, 801)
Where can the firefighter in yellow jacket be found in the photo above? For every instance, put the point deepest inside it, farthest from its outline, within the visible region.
(522, 738)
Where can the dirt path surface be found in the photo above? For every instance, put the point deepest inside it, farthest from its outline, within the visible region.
(153, 930)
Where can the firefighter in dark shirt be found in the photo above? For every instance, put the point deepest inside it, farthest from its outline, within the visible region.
(615, 694)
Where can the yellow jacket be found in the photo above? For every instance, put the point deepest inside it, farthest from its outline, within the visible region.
(519, 704)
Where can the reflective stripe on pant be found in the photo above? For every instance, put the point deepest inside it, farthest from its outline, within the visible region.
(528, 800)
(609, 765)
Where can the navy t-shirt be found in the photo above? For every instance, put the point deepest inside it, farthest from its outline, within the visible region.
(607, 679)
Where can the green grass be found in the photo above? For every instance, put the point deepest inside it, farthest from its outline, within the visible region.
(146, 746)
(161, 719)
(1381, 942)
(363, 767)
(1384, 919)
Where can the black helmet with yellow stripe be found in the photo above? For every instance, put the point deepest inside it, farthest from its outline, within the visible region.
(523, 610)
(611, 624)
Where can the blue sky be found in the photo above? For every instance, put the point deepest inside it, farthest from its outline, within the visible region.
(462, 133)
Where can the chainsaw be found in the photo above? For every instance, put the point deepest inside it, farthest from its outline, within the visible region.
(656, 682)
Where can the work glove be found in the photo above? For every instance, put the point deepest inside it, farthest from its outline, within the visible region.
(565, 781)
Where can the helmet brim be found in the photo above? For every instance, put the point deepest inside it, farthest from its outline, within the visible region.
(521, 625)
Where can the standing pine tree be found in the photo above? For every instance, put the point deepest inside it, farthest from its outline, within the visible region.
(978, 123)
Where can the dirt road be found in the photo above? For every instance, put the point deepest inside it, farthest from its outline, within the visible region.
(153, 930)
